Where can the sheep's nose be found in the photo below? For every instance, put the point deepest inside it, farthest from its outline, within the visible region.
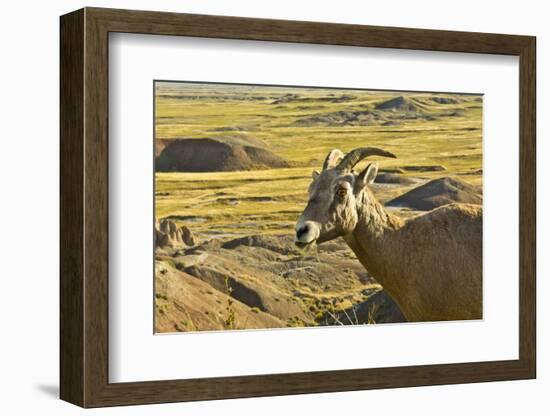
(302, 230)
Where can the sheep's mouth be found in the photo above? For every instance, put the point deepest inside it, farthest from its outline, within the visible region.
(304, 246)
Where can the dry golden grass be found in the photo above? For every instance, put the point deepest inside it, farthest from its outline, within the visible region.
(269, 201)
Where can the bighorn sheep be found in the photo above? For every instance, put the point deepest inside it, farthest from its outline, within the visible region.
(430, 264)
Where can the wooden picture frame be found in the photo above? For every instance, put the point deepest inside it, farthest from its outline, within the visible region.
(84, 207)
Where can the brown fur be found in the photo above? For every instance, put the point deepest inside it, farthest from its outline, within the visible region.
(430, 264)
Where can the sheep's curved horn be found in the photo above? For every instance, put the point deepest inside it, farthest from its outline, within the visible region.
(332, 158)
(356, 155)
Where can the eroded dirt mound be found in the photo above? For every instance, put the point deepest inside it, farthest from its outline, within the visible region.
(394, 179)
(338, 118)
(217, 154)
(423, 168)
(388, 114)
(445, 100)
(400, 103)
(287, 98)
(436, 193)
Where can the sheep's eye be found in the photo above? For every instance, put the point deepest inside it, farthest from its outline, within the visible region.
(341, 191)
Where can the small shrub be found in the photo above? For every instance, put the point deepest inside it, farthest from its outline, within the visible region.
(230, 321)
(187, 325)
(371, 317)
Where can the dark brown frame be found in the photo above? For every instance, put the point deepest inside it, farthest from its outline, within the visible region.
(84, 207)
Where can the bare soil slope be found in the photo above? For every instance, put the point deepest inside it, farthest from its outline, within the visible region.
(185, 303)
(217, 154)
(270, 283)
(400, 103)
(436, 193)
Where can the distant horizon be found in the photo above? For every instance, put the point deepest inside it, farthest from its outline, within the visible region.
(307, 87)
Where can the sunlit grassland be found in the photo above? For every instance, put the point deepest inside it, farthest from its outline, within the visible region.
(269, 201)
(233, 202)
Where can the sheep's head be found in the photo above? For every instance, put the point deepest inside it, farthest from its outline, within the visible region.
(334, 196)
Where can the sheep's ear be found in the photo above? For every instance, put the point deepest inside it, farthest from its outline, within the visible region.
(315, 174)
(368, 175)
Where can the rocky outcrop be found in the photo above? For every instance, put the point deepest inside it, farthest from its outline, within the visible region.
(169, 234)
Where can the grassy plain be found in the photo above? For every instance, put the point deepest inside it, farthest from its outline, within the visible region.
(446, 133)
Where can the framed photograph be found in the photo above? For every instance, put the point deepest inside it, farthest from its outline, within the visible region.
(255, 207)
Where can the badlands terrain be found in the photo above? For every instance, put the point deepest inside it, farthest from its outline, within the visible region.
(233, 165)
